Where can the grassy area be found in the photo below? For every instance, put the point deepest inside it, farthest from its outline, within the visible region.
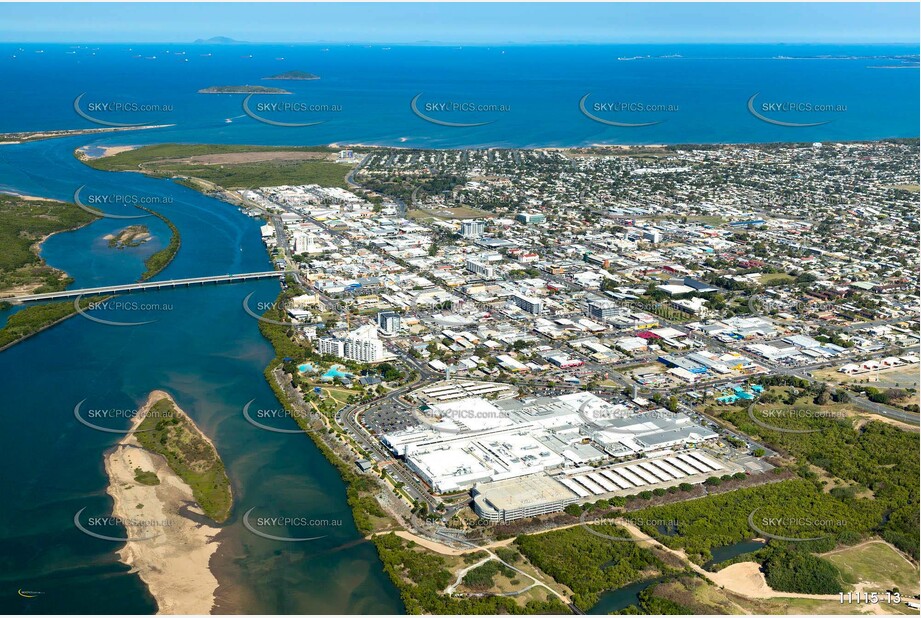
(462, 212)
(339, 395)
(484, 578)
(875, 567)
(702, 597)
(264, 174)
(895, 377)
(168, 160)
(912, 188)
(707, 219)
(146, 477)
(775, 279)
(169, 432)
(135, 158)
(23, 223)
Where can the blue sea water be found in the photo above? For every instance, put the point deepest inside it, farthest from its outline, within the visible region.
(707, 87)
(208, 353)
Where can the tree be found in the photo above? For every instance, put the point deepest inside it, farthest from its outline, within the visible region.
(573, 509)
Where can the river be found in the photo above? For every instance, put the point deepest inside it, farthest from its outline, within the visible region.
(209, 354)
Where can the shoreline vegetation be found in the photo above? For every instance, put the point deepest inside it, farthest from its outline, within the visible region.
(161, 259)
(422, 574)
(419, 574)
(360, 489)
(25, 223)
(34, 319)
(168, 431)
(146, 486)
(37, 318)
(21, 137)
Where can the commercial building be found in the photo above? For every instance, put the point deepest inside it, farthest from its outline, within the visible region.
(306, 243)
(472, 229)
(474, 441)
(670, 360)
(529, 218)
(361, 345)
(330, 345)
(603, 309)
(388, 322)
(528, 303)
(504, 501)
(484, 270)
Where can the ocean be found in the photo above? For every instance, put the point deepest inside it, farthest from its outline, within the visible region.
(529, 95)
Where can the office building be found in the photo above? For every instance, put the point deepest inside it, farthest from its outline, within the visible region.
(484, 270)
(529, 218)
(528, 303)
(388, 322)
(472, 229)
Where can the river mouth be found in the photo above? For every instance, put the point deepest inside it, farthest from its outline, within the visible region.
(209, 355)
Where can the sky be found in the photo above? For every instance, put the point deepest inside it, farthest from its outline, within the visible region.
(470, 23)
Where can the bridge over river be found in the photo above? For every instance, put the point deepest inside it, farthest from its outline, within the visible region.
(147, 285)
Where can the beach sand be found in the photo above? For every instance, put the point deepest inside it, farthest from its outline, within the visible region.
(108, 151)
(174, 564)
(31, 198)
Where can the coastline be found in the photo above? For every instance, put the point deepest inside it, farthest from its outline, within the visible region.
(154, 265)
(36, 247)
(107, 151)
(157, 262)
(175, 565)
(20, 137)
(43, 327)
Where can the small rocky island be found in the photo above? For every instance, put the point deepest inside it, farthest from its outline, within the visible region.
(242, 90)
(294, 76)
(131, 236)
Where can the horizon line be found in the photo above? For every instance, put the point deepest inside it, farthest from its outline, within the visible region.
(466, 44)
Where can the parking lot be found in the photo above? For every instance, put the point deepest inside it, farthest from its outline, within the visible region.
(388, 417)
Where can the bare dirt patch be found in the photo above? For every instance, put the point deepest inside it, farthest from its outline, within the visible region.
(234, 158)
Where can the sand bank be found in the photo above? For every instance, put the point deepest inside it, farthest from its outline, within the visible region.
(174, 564)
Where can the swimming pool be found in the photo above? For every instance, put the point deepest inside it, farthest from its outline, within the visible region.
(336, 372)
